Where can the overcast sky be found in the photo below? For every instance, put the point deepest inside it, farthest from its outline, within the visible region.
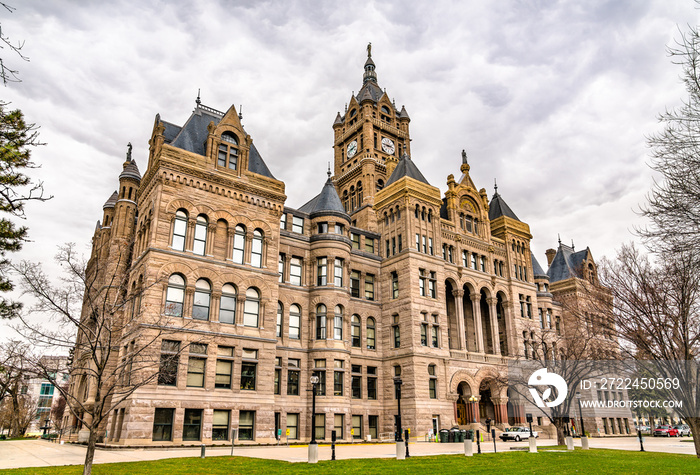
(551, 98)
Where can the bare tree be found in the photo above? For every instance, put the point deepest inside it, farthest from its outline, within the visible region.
(656, 316)
(112, 354)
(14, 375)
(674, 202)
(7, 73)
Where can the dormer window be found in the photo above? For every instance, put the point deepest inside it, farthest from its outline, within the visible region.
(228, 151)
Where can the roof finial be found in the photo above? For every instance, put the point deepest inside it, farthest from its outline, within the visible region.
(346, 107)
(559, 239)
(369, 50)
(329, 170)
(128, 152)
(572, 245)
(495, 186)
(464, 156)
(198, 101)
(240, 112)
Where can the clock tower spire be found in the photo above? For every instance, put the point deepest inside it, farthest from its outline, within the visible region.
(368, 141)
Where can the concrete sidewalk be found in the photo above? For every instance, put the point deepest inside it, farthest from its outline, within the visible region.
(41, 453)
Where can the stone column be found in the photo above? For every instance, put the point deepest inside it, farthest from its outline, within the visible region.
(494, 325)
(459, 295)
(189, 238)
(247, 247)
(500, 409)
(240, 307)
(189, 299)
(476, 311)
(211, 237)
(230, 232)
(214, 306)
(473, 410)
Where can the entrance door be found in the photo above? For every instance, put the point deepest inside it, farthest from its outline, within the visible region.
(436, 424)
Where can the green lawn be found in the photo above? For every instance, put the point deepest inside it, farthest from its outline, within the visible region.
(585, 462)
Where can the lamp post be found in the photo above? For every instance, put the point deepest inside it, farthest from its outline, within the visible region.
(580, 411)
(472, 400)
(398, 383)
(313, 446)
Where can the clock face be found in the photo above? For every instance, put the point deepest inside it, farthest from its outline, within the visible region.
(388, 146)
(352, 148)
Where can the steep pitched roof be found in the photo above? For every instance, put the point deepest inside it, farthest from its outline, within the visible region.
(406, 167)
(130, 171)
(498, 207)
(536, 268)
(326, 202)
(566, 263)
(111, 201)
(193, 135)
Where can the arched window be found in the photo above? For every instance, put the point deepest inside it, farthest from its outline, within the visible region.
(386, 219)
(380, 184)
(257, 249)
(352, 198)
(251, 310)
(422, 213)
(346, 202)
(338, 323)
(371, 334)
(202, 299)
(417, 212)
(228, 151)
(175, 295)
(200, 235)
(359, 193)
(430, 215)
(398, 213)
(356, 331)
(238, 244)
(227, 307)
(295, 322)
(321, 322)
(280, 311)
(179, 230)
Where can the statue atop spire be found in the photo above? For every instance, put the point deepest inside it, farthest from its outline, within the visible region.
(464, 168)
(369, 75)
(128, 152)
(464, 156)
(369, 50)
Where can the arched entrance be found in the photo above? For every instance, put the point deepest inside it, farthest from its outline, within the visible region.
(486, 408)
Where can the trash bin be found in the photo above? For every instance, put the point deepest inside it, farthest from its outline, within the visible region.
(470, 434)
(444, 434)
(462, 435)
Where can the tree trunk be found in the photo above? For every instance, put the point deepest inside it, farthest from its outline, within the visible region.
(90, 454)
(560, 434)
(694, 424)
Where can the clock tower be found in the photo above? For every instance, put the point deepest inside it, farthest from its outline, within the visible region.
(369, 140)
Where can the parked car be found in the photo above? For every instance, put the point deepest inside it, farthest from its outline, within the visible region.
(683, 430)
(517, 434)
(643, 429)
(665, 431)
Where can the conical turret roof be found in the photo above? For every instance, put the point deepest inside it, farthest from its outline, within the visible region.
(326, 202)
(112, 201)
(130, 171)
(498, 207)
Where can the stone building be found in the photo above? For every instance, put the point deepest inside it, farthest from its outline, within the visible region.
(378, 276)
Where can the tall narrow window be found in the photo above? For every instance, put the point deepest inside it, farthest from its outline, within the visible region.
(371, 333)
(432, 285)
(321, 322)
(338, 377)
(298, 224)
(372, 382)
(295, 271)
(175, 295)
(320, 372)
(421, 282)
(179, 230)
(163, 424)
(355, 238)
(228, 151)
(249, 369)
(396, 331)
(220, 425)
(394, 285)
(356, 331)
(434, 336)
(280, 311)
(239, 244)
(355, 283)
(357, 427)
(430, 246)
(256, 250)
(227, 306)
(200, 236)
(338, 323)
(293, 377)
(369, 286)
(169, 360)
(224, 367)
(293, 426)
(196, 365)
(294, 322)
(251, 310)
(246, 425)
(202, 299)
(192, 424)
(321, 271)
(424, 334)
(432, 382)
(338, 272)
(280, 268)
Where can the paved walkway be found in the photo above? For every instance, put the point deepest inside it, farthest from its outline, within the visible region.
(41, 453)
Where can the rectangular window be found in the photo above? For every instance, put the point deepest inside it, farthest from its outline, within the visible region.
(320, 426)
(387, 252)
(321, 271)
(397, 336)
(400, 243)
(432, 391)
(357, 387)
(248, 373)
(294, 322)
(224, 369)
(549, 318)
(322, 228)
(338, 424)
(425, 245)
(163, 424)
(338, 275)
(355, 284)
(431, 285)
(393, 245)
(369, 245)
(369, 286)
(421, 282)
(374, 427)
(339, 229)
(394, 285)
(220, 425)
(192, 425)
(357, 427)
(283, 221)
(293, 381)
(355, 238)
(424, 334)
(338, 377)
(474, 265)
(430, 246)
(280, 268)
(465, 258)
(246, 425)
(278, 380)
(295, 271)
(450, 257)
(321, 374)
(434, 336)
(418, 242)
(298, 224)
(444, 251)
(169, 360)
(482, 261)
(371, 387)
(293, 426)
